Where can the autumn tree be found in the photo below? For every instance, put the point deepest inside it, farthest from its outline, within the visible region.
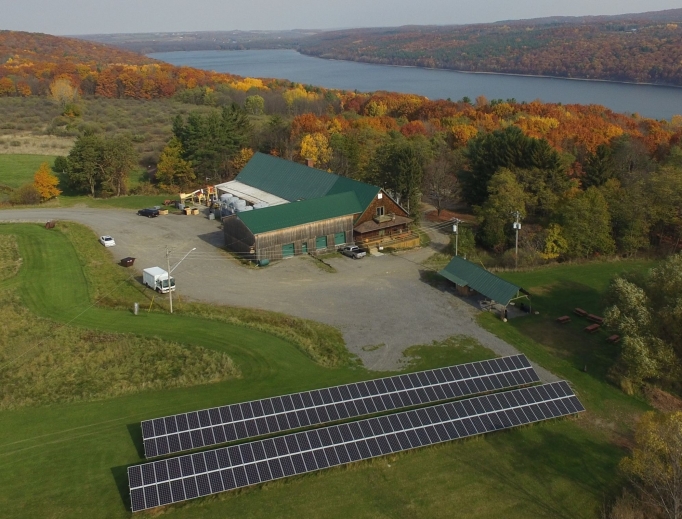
(254, 105)
(510, 149)
(645, 312)
(172, 171)
(118, 157)
(586, 225)
(66, 95)
(46, 182)
(398, 167)
(654, 468)
(505, 196)
(346, 154)
(97, 163)
(315, 147)
(440, 180)
(84, 159)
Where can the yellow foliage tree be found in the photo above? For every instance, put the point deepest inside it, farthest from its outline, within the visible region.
(62, 91)
(655, 465)
(243, 156)
(555, 244)
(315, 146)
(463, 133)
(46, 182)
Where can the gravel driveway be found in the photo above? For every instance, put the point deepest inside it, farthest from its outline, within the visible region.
(380, 303)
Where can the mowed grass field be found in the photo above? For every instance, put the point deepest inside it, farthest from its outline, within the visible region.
(16, 170)
(70, 460)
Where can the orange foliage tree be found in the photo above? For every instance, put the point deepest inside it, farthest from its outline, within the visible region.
(46, 182)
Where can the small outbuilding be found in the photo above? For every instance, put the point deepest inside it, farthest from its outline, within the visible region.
(471, 278)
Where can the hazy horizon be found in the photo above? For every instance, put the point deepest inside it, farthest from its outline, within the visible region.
(78, 17)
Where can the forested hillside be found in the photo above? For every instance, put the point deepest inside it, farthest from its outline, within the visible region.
(641, 49)
(30, 63)
(586, 180)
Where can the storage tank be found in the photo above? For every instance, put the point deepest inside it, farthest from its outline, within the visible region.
(225, 196)
(260, 205)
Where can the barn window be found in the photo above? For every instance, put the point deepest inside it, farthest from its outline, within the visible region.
(380, 210)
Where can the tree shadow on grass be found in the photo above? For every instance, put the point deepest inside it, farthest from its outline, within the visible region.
(120, 475)
(532, 464)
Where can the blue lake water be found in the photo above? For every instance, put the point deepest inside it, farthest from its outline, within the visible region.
(647, 100)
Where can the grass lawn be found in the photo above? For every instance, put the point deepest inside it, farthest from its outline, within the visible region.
(566, 349)
(16, 170)
(69, 460)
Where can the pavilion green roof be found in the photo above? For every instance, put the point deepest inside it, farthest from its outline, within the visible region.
(468, 274)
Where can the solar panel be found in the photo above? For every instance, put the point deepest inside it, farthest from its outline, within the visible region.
(196, 429)
(193, 475)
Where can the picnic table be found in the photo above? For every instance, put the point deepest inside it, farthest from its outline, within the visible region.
(563, 319)
(592, 328)
(613, 339)
(580, 312)
(596, 318)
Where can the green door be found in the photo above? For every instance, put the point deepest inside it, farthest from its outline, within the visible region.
(287, 250)
(304, 248)
(339, 238)
(321, 242)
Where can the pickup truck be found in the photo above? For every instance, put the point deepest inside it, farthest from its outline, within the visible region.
(353, 251)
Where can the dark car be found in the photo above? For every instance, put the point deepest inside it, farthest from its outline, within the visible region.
(149, 213)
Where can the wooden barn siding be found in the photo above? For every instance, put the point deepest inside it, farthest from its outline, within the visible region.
(269, 244)
(238, 237)
(389, 207)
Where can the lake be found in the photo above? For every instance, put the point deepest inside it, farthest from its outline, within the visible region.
(647, 100)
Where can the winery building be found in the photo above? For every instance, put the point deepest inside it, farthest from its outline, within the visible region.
(283, 209)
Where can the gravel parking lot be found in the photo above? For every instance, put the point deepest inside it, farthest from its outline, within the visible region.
(380, 303)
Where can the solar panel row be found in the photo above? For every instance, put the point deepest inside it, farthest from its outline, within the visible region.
(186, 477)
(187, 431)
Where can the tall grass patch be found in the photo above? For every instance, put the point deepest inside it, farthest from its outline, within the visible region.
(10, 261)
(42, 362)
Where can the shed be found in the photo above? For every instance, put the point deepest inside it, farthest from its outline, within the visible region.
(467, 274)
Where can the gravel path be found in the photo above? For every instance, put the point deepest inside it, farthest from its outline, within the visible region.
(381, 304)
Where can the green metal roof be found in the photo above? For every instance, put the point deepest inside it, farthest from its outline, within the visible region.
(283, 216)
(293, 181)
(465, 273)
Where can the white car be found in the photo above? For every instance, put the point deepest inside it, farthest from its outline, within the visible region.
(107, 241)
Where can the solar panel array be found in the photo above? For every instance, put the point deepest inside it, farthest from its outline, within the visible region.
(186, 477)
(187, 431)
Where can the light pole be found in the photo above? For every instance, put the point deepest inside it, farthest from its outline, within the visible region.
(517, 228)
(170, 288)
(455, 229)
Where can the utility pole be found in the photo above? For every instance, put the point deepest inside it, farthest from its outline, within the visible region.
(517, 228)
(455, 229)
(170, 288)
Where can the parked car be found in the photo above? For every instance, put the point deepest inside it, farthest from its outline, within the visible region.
(149, 213)
(107, 241)
(353, 251)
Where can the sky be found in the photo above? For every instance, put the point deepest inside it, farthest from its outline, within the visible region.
(73, 17)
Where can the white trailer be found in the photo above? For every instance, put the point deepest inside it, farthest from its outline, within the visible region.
(157, 278)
